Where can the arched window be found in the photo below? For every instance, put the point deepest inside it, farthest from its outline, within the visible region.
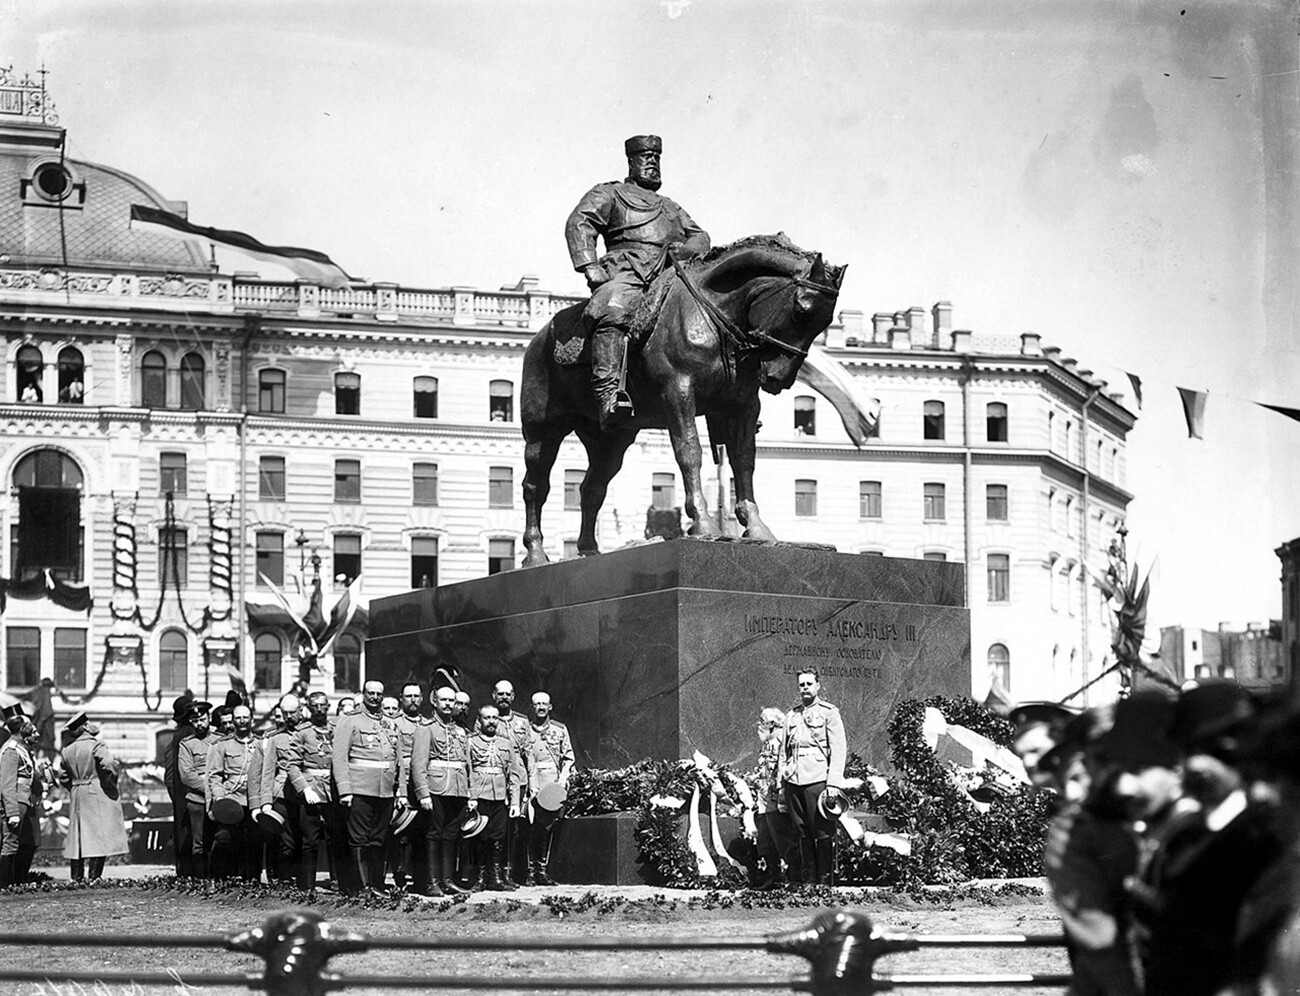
(72, 376)
(268, 655)
(31, 371)
(1000, 665)
(48, 533)
(426, 397)
(173, 661)
(192, 377)
(933, 420)
(347, 663)
(153, 380)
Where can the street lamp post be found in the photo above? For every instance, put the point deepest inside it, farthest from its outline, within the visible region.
(301, 541)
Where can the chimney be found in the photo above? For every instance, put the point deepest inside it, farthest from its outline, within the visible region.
(1051, 352)
(942, 315)
(881, 323)
(853, 323)
(961, 341)
(1031, 344)
(900, 337)
(916, 323)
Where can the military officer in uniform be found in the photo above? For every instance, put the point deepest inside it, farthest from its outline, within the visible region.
(493, 783)
(307, 795)
(182, 833)
(365, 756)
(20, 797)
(229, 768)
(521, 732)
(815, 752)
(641, 230)
(95, 828)
(440, 776)
(407, 853)
(550, 762)
(191, 770)
(266, 792)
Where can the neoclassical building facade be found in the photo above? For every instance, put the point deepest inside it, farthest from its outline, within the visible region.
(177, 440)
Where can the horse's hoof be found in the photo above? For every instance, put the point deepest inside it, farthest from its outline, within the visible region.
(536, 560)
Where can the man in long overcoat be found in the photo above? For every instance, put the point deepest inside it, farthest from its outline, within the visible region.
(95, 826)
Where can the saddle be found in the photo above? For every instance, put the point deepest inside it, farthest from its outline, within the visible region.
(572, 344)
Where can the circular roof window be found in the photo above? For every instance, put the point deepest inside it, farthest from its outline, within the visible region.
(52, 181)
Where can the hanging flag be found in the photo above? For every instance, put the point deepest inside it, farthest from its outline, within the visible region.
(1292, 413)
(1136, 381)
(1194, 409)
(307, 263)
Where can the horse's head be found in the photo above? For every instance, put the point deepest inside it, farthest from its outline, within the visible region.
(792, 319)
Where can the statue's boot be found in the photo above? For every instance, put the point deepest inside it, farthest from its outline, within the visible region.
(608, 348)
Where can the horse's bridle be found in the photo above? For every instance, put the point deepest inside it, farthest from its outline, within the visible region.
(743, 340)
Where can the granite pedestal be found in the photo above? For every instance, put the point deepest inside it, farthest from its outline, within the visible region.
(661, 650)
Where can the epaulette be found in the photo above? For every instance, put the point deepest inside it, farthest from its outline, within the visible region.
(831, 705)
(556, 722)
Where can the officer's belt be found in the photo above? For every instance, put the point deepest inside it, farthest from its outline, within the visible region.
(487, 770)
(372, 764)
(446, 764)
(320, 771)
(547, 764)
(817, 747)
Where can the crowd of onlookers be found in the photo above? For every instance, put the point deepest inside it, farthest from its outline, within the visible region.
(1173, 855)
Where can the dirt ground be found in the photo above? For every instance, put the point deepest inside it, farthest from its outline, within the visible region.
(154, 905)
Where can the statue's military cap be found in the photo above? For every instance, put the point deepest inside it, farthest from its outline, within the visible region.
(643, 143)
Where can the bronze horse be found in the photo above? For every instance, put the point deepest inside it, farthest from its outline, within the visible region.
(716, 329)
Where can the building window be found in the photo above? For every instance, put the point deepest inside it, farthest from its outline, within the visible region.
(270, 478)
(72, 377)
(805, 416)
(501, 555)
(347, 663)
(424, 484)
(663, 491)
(999, 577)
(995, 502)
(347, 394)
(426, 397)
(570, 549)
(347, 557)
(23, 656)
(153, 380)
(869, 503)
(31, 371)
(268, 657)
(935, 555)
(270, 557)
(173, 556)
(172, 478)
(501, 487)
(996, 422)
(48, 532)
(933, 508)
(424, 562)
(1069, 516)
(805, 497)
(1000, 665)
(573, 489)
(193, 372)
(347, 480)
(270, 392)
(173, 661)
(1051, 431)
(501, 401)
(1069, 440)
(932, 421)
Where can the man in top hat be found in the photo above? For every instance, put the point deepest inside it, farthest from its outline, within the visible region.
(550, 763)
(95, 827)
(266, 793)
(815, 752)
(365, 758)
(1200, 868)
(192, 768)
(21, 789)
(493, 782)
(521, 733)
(641, 229)
(182, 834)
(439, 774)
(307, 794)
(230, 768)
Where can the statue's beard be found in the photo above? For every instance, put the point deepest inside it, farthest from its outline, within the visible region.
(648, 182)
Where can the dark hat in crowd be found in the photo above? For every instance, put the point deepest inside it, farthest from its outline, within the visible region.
(1076, 735)
(1271, 746)
(15, 711)
(77, 723)
(233, 698)
(1210, 710)
(472, 825)
(643, 143)
(447, 676)
(179, 705)
(1140, 736)
(197, 709)
(1028, 714)
(15, 724)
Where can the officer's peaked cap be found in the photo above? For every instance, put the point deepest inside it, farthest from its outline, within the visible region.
(643, 143)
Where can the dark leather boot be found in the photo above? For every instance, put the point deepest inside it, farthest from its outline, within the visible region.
(825, 862)
(497, 871)
(607, 353)
(359, 859)
(375, 856)
(95, 868)
(77, 869)
(539, 874)
(6, 871)
(448, 881)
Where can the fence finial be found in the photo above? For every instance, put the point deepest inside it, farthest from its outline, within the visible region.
(842, 948)
(297, 945)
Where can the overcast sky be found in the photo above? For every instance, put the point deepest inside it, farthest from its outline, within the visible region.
(1120, 177)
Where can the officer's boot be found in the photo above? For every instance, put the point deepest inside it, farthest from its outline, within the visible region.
(498, 870)
(96, 868)
(363, 870)
(376, 858)
(540, 854)
(825, 862)
(77, 871)
(6, 871)
(471, 867)
(307, 861)
(448, 880)
(428, 870)
(607, 350)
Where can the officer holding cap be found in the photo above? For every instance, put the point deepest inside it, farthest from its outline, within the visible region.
(550, 764)
(492, 783)
(440, 776)
(815, 752)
